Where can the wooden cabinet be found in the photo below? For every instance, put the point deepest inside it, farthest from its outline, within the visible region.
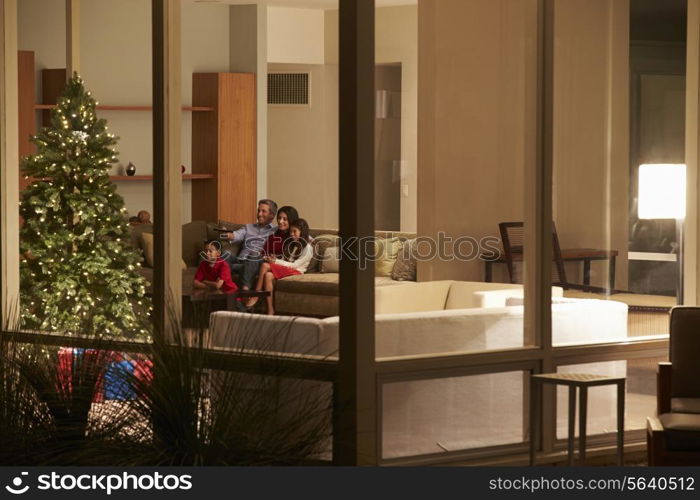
(224, 144)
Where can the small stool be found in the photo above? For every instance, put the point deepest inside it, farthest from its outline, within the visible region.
(582, 381)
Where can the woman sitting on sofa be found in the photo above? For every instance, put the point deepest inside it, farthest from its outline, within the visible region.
(273, 245)
(297, 252)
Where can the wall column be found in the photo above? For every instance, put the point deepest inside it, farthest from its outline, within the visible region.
(539, 145)
(691, 271)
(167, 178)
(248, 51)
(9, 165)
(355, 438)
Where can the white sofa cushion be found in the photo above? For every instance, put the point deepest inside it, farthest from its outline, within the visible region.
(462, 293)
(437, 295)
(406, 297)
(577, 321)
(507, 297)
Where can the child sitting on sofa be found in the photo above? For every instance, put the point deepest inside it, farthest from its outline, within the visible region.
(214, 272)
(297, 252)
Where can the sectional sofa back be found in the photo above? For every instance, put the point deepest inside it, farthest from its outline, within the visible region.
(467, 294)
(426, 332)
(378, 233)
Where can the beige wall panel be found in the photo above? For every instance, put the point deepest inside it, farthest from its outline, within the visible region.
(9, 165)
(248, 54)
(474, 72)
(295, 36)
(591, 132)
(473, 63)
(691, 281)
(397, 41)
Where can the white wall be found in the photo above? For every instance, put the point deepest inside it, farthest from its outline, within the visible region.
(295, 35)
(303, 149)
(477, 96)
(116, 65)
(303, 142)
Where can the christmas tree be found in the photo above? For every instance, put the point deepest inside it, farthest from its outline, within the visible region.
(79, 273)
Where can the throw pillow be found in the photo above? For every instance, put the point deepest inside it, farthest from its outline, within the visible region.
(331, 260)
(147, 246)
(405, 266)
(136, 232)
(387, 251)
(320, 244)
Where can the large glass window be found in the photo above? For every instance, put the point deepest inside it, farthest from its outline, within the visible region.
(449, 414)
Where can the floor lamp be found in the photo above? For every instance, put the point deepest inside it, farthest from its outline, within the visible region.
(662, 191)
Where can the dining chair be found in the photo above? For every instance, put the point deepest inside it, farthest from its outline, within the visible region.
(513, 238)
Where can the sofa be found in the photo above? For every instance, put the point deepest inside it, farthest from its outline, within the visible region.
(312, 294)
(440, 413)
(316, 293)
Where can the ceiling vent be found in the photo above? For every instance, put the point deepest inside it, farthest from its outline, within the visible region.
(289, 89)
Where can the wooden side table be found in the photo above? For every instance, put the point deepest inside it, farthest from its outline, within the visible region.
(580, 381)
(198, 304)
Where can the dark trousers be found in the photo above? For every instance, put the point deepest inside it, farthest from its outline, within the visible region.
(246, 270)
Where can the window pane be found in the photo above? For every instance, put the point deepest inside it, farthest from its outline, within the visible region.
(467, 126)
(448, 414)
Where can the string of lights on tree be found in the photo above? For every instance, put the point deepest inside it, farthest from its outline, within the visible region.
(79, 272)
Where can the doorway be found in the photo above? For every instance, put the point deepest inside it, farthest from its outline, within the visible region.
(387, 147)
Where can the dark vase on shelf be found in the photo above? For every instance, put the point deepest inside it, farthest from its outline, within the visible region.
(130, 169)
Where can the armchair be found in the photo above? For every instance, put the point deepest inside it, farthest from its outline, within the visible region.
(673, 436)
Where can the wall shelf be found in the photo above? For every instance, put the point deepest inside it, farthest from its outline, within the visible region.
(224, 140)
(116, 178)
(192, 177)
(129, 108)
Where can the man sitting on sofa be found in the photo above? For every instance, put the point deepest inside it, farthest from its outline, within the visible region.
(253, 236)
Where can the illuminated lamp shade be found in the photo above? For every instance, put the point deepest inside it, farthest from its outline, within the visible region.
(661, 191)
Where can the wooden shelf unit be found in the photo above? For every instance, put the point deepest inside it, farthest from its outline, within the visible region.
(190, 177)
(118, 178)
(127, 108)
(224, 145)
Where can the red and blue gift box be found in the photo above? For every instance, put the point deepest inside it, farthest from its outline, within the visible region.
(116, 382)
